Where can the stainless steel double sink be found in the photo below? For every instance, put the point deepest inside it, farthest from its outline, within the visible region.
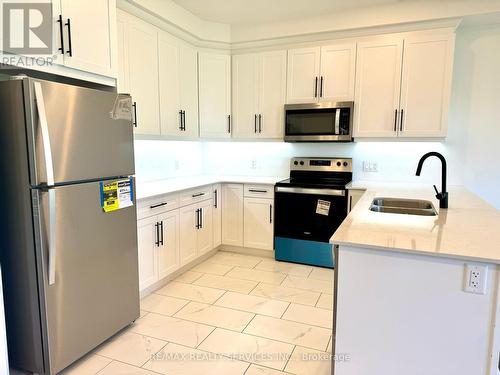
(403, 206)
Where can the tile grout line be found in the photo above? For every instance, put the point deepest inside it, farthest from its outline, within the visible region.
(202, 341)
(281, 317)
(291, 354)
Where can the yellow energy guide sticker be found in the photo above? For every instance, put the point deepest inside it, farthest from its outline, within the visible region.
(116, 195)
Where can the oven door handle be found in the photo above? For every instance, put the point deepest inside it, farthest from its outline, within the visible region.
(298, 190)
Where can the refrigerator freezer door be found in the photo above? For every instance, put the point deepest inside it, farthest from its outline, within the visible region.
(96, 290)
(89, 133)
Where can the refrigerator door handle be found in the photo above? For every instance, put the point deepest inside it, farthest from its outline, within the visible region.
(52, 237)
(47, 150)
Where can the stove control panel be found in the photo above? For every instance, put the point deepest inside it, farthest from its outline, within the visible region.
(321, 164)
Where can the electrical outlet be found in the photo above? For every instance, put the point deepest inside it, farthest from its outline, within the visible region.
(253, 164)
(475, 278)
(370, 166)
(177, 165)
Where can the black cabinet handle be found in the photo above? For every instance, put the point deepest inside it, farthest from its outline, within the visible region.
(201, 217)
(255, 124)
(260, 123)
(257, 191)
(395, 120)
(270, 214)
(161, 232)
(180, 121)
(197, 195)
(197, 226)
(157, 237)
(321, 87)
(229, 124)
(135, 115)
(184, 120)
(70, 50)
(216, 193)
(316, 87)
(158, 205)
(401, 121)
(61, 30)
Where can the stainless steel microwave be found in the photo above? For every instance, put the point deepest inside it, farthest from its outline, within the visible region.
(319, 122)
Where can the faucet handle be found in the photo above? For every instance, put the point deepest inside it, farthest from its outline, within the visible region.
(435, 189)
(439, 195)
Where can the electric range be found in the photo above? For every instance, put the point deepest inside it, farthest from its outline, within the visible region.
(309, 207)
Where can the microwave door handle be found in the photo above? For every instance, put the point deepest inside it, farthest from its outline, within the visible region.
(337, 121)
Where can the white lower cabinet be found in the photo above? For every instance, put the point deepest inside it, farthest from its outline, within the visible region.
(147, 244)
(232, 214)
(168, 250)
(258, 223)
(217, 215)
(196, 231)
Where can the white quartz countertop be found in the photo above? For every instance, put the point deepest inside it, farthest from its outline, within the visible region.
(469, 229)
(153, 188)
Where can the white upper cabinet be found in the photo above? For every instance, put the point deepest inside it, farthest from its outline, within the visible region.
(215, 94)
(245, 80)
(259, 89)
(303, 75)
(378, 82)
(321, 74)
(403, 86)
(178, 86)
(89, 30)
(272, 94)
(337, 74)
(140, 45)
(426, 85)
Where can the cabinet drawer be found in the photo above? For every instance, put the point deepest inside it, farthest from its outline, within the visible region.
(157, 205)
(195, 195)
(260, 191)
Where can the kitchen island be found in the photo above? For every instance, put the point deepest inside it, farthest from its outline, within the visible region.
(400, 300)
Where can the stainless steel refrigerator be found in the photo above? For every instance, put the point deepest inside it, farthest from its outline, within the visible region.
(69, 262)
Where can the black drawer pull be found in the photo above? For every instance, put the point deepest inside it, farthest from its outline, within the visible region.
(158, 205)
(197, 195)
(257, 191)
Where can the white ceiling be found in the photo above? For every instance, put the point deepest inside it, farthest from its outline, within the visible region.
(263, 11)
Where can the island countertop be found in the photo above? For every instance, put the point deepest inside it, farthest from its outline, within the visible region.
(469, 229)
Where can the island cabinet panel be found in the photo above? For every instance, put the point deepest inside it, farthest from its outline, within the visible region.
(400, 313)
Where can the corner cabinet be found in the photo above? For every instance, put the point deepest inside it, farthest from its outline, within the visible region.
(259, 91)
(321, 74)
(214, 94)
(139, 41)
(400, 91)
(258, 227)
(232, 214)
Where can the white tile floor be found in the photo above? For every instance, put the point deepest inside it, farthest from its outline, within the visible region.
(233, 314)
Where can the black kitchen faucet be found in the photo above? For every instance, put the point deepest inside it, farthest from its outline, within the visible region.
(443, 196)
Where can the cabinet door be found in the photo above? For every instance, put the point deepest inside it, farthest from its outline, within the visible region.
(92, 24)
(258, 221)
(426, 86)
(187, 233)
(122, 81)
(147, 245)
(143, 77)
(272, 88)
(168, 252)
(245, 95)
(188, 74)
(232, 214)
(378, 82)
(169, 85)
(338, 64)
(205, 233)
(303, 75)
(215, 95)
(217, 215)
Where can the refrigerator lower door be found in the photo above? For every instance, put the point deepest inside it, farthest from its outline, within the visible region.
(76, 133)
(95, 292)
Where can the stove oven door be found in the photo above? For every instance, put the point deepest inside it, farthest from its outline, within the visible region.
(305, 220)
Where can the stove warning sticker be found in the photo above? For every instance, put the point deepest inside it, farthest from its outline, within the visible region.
(323, 207)
(117, 195)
